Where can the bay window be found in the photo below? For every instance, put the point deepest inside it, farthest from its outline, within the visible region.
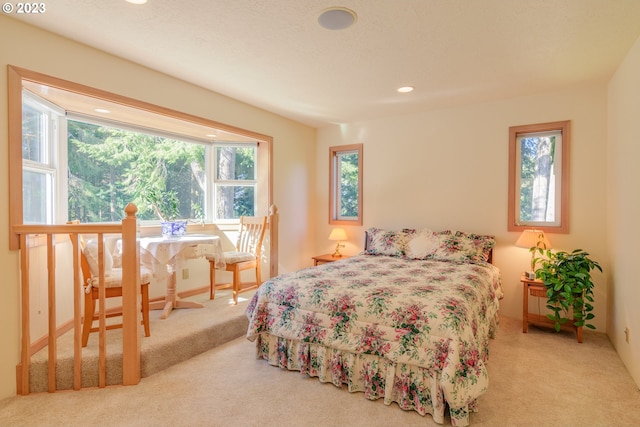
(78, 161)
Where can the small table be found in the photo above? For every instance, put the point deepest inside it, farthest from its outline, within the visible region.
(325, 258)
(536, 288)
(164, 256)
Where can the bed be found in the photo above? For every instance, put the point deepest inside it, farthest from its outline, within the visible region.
(408, 320)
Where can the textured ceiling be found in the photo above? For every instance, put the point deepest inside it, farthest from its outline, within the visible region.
(274, 55)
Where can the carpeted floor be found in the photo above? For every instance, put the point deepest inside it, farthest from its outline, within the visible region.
(537, 379)
(183, 335)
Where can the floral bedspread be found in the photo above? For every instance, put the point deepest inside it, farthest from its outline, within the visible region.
(415, 332)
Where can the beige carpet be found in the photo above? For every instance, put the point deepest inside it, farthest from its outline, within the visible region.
(183, 335)
(537, 379)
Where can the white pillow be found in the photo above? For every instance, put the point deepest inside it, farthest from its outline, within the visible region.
(422, 244)
(91, 252)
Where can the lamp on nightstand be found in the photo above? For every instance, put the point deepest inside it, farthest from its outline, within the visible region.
(533, 239)
(338, 234)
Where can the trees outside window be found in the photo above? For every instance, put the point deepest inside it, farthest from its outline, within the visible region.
(235, 180)
(119, 148)
(108, 167)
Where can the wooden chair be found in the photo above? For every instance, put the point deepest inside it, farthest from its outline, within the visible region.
(113, 288)
(245, 257)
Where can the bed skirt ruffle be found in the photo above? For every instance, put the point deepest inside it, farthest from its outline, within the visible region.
(411, 387)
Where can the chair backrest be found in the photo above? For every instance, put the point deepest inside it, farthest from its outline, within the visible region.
(251, 234)
(84, 262)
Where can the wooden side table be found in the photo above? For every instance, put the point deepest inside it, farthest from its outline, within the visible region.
(537, 289)
(325, 258)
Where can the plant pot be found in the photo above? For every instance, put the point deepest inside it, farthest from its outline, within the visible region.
(173, 228)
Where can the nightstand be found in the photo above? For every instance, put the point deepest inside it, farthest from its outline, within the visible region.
(323, 259)
(537, 289)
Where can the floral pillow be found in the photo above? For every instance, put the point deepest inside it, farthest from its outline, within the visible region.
(384, 242)
(458, 246)
(483, 243)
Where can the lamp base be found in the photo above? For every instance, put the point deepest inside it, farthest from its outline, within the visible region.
(337, 253)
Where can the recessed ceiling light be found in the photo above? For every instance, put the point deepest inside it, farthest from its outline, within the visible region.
(211, 135)
(136, 1)
(337, 18)
(405, 89)
(101, 110)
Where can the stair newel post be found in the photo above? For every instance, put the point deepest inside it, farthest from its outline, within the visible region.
(273, 241)
(131, 298)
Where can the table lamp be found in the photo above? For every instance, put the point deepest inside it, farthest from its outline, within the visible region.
(533, 239)
(338, 234)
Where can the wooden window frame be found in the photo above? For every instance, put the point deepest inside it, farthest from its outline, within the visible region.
(17, 75)
(514, 167)
(334, 153)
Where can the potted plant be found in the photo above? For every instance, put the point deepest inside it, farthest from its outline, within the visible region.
(165, 204)
(567, 278)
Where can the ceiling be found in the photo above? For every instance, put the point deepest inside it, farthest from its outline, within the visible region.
(273, 54)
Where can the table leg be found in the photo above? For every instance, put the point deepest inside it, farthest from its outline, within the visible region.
(172, 300)
(525, 307)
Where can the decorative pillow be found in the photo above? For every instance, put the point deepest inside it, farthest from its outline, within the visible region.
(117, 259)
(483, 243)
(458, 246)
(116, 253)
(383, 242)
(421, 244)
(91, 252)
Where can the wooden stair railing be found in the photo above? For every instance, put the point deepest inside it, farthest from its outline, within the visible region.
(130, 299)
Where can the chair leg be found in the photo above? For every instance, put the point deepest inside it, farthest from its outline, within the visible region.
(258, 278)
(236, 285)
(89, 310)
(145, 309)
(212, 279)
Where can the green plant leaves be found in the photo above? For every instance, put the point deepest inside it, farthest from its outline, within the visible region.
(567, 278)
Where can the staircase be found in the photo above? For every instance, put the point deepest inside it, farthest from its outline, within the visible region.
(184, 334)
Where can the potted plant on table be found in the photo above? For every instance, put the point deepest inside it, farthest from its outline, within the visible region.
(166, 206)
(567, 278)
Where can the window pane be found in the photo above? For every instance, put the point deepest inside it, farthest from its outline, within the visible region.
(108, 168)
(234, 201)
(33, 134)
(235, 163)
(345, 184)
(35, 186)
(348, 173)
(538, 177)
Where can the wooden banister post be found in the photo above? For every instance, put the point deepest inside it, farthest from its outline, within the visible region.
(51, 292)
(77, 312)
(25, 357)
(273, 241)
(131, 299)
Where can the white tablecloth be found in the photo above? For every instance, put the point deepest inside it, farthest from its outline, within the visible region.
(163, 255)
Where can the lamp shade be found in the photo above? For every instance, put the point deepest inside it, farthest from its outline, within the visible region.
(338, 234)
(533, 238)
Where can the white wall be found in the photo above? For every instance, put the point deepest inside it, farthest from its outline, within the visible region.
(448, 169)
(293, 150)
(623, 226)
